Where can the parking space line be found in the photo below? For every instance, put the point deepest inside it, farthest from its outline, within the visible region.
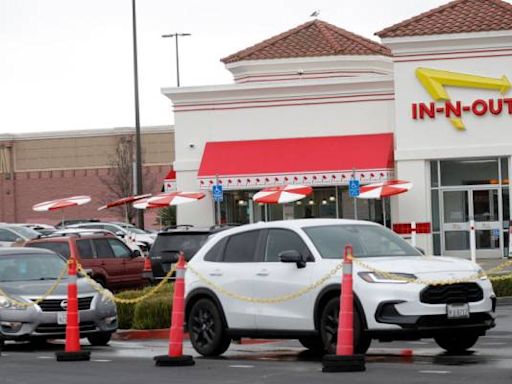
(436, 372)
(101, 360)
(241, 366)
(46, 357)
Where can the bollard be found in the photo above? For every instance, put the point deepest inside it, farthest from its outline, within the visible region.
(175, 356)
(72, 350)
(345, 360)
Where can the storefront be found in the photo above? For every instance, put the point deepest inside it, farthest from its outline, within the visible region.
(318, 105)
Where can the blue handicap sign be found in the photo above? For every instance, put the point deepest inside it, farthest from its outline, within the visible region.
(496, 232)
(217, 192)
(353, 188)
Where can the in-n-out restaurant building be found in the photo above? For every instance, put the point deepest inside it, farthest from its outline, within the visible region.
(314, 105)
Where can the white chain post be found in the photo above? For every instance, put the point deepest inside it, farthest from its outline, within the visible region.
(472, 240)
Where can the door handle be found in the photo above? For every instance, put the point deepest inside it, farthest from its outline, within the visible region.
(216, 272)
(263, 272)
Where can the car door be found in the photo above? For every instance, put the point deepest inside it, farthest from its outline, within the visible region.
(271, 277)
(231, 267)
(114, 267)
(7, 238)
(133, 266)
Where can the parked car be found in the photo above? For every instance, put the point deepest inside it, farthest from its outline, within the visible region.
(43, 229)
(124, 230)
(64, 223)
(25, 274)
(15, 234)
(110, 261)
(277, 258)
(169, 243)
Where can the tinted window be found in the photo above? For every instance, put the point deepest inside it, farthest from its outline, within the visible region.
(6, 235)
(241, 248)
(189, 243)
(280, 240)
(215, 254)
(85, 249)
(120, 250)
(59, 247)
(103, 250)
(366, 241)
(111, 228)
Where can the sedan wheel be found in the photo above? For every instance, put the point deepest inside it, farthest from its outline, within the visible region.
(207, 330)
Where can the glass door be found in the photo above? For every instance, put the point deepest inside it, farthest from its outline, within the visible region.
(480, 204)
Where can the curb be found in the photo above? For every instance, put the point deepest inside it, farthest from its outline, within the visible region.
(163, 334)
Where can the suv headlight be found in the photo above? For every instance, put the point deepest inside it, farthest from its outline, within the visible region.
(481, 274)
(5, 303)
(390, 278)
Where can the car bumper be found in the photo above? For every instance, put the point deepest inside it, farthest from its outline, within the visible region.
(33, 322)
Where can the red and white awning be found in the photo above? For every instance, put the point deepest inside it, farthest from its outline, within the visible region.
(54, 205)
(123, 201)
(163, 200)
(281, 195)
(311, 161)
(380, 190)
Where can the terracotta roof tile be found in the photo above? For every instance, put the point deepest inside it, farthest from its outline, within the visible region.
(459, 16)
(314, 38)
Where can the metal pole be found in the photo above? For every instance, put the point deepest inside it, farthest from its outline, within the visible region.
(384, 210)
(138, 150)
(177, 62)
(472, 240)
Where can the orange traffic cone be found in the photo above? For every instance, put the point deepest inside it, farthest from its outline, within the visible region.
(72, 351)
(175, 356)
(345, 360)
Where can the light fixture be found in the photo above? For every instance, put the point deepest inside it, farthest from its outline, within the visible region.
(242, 203)
(332, 198)
(311, 202)
(299, 202)
(324, 202)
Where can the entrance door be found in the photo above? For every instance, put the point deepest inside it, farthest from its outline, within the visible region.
(480, 204)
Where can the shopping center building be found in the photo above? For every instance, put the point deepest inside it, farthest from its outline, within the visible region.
(317, 105)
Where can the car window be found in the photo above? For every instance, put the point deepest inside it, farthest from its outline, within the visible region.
(279, 240)
(120, 250)
(6, 235)
(189, 243)
(85, 249)
(366, 241)
(103, 249)
(26, 233)
(241, 248)
(60, 247)
(112, 228)
(30, 267)
(215, 253)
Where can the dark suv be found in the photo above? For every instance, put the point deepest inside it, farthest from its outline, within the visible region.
(110, 261)
(170, 242)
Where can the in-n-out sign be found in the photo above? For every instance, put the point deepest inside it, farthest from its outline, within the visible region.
(435, 81)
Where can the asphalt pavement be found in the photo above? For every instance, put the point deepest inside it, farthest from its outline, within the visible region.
(130, 362)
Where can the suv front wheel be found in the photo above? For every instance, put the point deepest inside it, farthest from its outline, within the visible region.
(456, 342)
(329, 328)
(207, 330)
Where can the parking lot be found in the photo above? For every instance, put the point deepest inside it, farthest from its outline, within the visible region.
(267, 362)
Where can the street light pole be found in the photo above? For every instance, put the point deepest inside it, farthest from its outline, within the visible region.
(138, 150)
(176, 35)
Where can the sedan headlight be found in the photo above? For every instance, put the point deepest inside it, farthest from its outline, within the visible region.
(5, 303)
(390, 278)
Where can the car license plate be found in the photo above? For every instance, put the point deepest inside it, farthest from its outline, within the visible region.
(62, 318)
(457, 311)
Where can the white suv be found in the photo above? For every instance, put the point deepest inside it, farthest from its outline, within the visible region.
(266, 260)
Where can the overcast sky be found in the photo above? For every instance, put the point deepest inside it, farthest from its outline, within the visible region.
(67, 64)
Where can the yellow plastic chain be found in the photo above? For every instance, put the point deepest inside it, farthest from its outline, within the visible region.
(40, 299)
(109, 295)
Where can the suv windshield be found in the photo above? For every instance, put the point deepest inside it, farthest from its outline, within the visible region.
(26, 233)
(189, 243)
(366, 240)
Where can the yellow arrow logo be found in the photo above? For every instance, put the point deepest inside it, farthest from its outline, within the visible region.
(435, 81)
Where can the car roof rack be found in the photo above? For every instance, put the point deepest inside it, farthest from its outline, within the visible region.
(75, 233)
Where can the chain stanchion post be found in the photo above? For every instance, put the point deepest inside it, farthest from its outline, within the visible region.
(175, 357)
(72, 350)
(344, 360)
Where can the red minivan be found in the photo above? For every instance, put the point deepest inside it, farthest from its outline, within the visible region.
(111, 262)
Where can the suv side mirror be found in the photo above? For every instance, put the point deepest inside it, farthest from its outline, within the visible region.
(293, 256)
(136, 253)
(120, 234)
